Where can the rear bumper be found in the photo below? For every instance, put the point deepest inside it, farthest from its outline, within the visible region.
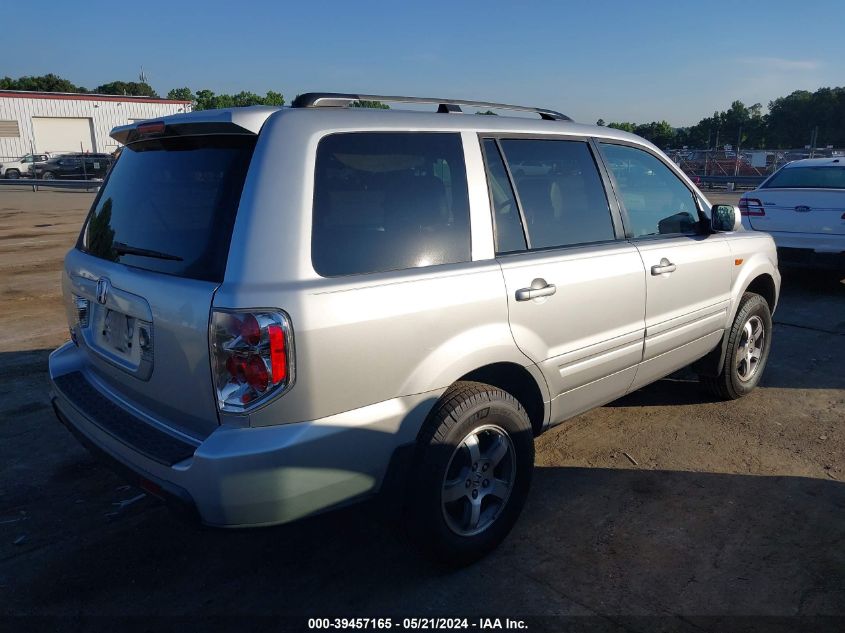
(821, 243)
(250, 476)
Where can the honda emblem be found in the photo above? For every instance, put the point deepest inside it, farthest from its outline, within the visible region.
(103, 286)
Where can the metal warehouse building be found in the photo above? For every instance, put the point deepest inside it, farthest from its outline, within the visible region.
(69, 122)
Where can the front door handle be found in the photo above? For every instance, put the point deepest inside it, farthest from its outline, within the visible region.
(539, 288)
(665, 266)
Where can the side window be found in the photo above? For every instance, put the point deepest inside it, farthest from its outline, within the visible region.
(656, 200)
(388, 201)
(560, 191)
(506, 220)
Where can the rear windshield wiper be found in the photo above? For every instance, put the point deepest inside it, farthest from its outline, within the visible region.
(124, 249)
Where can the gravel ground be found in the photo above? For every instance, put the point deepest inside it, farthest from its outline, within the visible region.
(718, 509)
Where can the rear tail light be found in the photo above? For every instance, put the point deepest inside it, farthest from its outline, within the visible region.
(251, 356)
(751, 207)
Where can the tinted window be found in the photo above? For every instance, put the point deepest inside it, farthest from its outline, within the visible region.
(656, 200)
(561, 193)
(387, 201)
(176, 196)
(506, 220)
(808, 177)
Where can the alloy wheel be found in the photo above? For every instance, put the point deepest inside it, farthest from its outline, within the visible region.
(478, 480)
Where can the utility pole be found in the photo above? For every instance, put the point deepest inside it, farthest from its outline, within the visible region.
(738, 145)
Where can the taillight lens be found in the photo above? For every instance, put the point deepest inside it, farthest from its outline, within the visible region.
(751, 207)
(252, 357)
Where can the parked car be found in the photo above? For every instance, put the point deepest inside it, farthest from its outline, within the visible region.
(20, 168)
(277, 311)
(74, 166)
(802, 206)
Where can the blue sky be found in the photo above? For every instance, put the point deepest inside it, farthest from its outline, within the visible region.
(635, 61)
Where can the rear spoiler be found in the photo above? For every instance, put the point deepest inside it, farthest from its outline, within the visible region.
(227, 121)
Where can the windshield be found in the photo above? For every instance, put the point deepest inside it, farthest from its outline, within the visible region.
(808, 177)
(169, 205)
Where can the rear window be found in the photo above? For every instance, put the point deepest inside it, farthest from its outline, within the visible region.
(388, 201)
(169, 205)
(808, 177)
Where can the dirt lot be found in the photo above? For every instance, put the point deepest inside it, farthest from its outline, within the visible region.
(731, 509)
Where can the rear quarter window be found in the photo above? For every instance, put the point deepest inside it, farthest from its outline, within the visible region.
(389, 201)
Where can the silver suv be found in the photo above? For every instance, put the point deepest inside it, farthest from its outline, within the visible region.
(276, 311)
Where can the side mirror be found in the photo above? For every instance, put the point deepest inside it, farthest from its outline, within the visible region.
(724, 217)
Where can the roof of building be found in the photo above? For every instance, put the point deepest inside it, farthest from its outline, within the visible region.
(26, 94)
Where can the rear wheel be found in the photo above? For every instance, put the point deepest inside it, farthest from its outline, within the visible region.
(12, 174)
(749, 342)
(473, 471)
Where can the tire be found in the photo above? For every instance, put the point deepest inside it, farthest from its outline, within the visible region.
(474, 430)
(741, 373)
(11, 174)
(48, 175)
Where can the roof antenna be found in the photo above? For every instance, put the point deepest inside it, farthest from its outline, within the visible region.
(142, 76)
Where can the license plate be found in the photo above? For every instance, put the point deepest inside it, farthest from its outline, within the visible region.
(119, 331)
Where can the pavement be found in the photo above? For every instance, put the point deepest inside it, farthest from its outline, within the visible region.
(665, 504)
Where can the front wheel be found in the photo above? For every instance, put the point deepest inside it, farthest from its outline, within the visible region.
(12, 174)
(48, 175)
(749, 342)
(473, 471)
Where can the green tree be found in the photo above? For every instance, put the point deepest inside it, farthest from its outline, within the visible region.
(129, 88)
(658, 132)
(792, 119)
(274, 98)
(43, 83)
(204, 100)
(243, 99)
(624, 126)
(378, 105)
(181, 94)
(207, 100)
(600, 122)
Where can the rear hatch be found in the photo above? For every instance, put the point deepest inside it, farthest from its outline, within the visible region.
(142, 278)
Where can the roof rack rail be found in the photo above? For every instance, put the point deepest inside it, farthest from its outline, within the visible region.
(445, 106)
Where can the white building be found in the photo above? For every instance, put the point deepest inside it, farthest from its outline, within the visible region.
(68, 122)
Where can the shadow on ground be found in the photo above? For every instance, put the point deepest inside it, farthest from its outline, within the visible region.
(590, 541)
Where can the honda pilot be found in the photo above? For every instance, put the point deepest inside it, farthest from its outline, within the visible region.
(279, 311)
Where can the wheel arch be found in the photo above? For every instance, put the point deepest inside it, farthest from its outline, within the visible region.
(761, 283)
(518, 381)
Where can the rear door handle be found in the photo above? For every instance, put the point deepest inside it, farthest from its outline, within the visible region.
(665, 266)
(539, 288)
